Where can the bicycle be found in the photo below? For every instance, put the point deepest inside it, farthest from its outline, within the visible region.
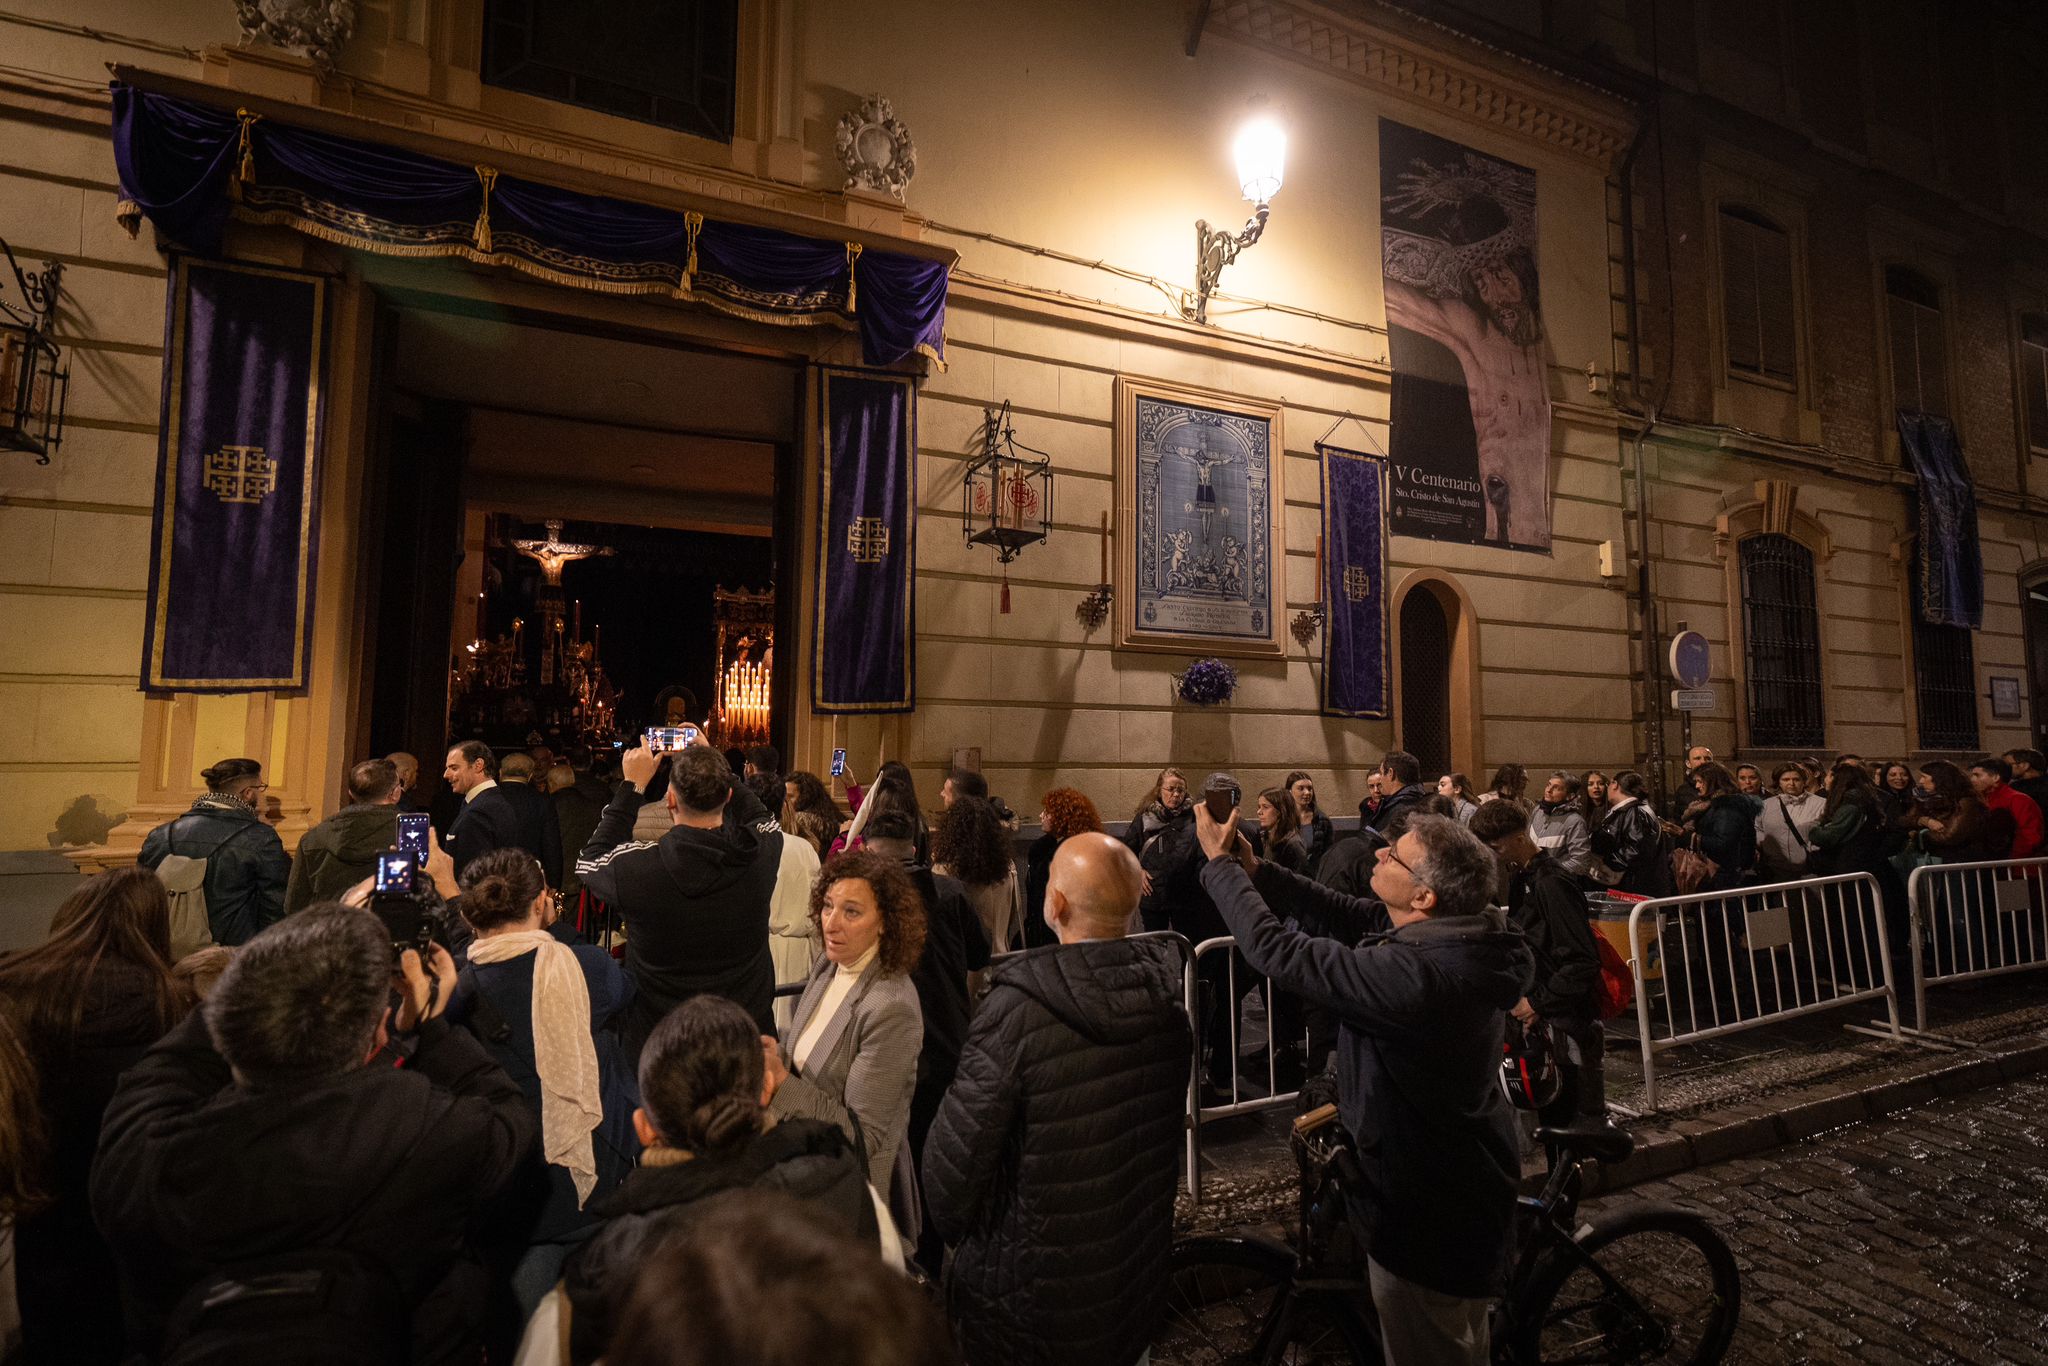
(1650, 1283)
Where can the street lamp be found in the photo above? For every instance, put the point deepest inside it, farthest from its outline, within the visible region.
(1006, 495)
(32, 387)
(1261, 153)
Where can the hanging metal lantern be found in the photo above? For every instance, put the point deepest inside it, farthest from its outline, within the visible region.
(33, 379)
(1006, 496)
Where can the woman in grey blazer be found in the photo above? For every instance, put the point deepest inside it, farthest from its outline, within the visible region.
(849, 1055)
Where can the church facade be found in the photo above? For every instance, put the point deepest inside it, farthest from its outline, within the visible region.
(1733, 308)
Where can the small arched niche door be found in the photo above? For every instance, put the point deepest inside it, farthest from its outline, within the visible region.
(1436, 675)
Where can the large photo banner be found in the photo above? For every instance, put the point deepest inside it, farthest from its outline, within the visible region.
(867, 552)
(1470, 449)
(1356, 678)
(238, 490)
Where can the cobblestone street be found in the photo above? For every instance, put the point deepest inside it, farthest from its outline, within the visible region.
(1917, 1239)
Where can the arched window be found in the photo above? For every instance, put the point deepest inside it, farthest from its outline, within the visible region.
(1919, 347)
(1781, 644)
(1426, 681)
(2034, 378)
(1757, 297)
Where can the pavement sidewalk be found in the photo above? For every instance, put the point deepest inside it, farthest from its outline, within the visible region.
(1726, 1098)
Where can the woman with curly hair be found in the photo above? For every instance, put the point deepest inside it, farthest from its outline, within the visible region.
(849, 1055)
(972, 844)
(1066, 812)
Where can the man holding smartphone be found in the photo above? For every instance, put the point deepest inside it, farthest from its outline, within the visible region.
(1421, 1005)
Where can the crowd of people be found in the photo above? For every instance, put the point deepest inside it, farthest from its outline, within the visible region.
(549, 1103)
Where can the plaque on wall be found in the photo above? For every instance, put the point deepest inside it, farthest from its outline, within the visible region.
(1199, 539)
(2005, 698)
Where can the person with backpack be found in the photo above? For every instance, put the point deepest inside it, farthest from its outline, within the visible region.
(84, 1003)
(223, 865)
(1546, 905)
(300, 1136)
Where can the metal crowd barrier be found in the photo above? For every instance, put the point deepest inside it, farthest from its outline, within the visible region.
(1972, 920)
(1723, 962)
(1199, 1113)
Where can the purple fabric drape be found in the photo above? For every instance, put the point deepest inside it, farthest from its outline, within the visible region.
(867, 555)
(188, 166)
(1950, 560)
(235, 542)
(1356, 675)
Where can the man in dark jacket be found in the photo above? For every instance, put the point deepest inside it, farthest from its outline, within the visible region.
(695, 903)
(1051, 1164)
(1422, 1007)
(539, 831)
(1401, 784)
(260, 1130)
(1546, 905)
(579, 799)
(246, 865)
(342, 850)
(2029, 775)
(488, 818)
(1178, 889)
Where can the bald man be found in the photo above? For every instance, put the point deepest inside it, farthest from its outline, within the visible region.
(1051, 1165)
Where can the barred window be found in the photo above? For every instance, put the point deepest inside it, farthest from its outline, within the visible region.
(1756, 297)
(1944, 682)
(1918, 346)
(2034, 377)
(1781, 644)
(672, 63)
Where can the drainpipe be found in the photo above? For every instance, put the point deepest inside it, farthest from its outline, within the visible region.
(1646, 415)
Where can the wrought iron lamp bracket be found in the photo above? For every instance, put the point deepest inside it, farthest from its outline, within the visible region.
(1215, 249)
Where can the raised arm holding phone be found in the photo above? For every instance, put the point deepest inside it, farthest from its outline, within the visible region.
(1421, 1009)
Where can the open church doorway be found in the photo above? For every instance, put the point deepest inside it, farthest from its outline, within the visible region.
(578, 532)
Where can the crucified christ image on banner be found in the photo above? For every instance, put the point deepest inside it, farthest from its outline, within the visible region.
(1471, 412)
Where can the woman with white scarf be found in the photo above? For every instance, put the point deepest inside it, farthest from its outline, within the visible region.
(540, 1007)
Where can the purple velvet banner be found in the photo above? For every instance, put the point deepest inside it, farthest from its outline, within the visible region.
(1356, 678)
(235, 535)
(867, 554)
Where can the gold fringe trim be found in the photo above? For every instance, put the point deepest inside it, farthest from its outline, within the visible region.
(245, 153)
(489, 176)
(693, 223)
(853, 250)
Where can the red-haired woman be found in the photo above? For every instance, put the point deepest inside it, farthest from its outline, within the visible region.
(85, 1003)
(1064, 814)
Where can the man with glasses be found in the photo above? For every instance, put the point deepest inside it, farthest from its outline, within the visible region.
(225, 851)
(1421, 1004)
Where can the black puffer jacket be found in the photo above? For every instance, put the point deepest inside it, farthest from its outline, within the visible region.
(807, 1158)
(1631, 842)
(1052, 1162)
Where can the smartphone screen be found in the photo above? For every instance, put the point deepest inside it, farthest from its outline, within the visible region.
(1222, 801)
(666, 739)
(839, 763)
(685, 735)
(394, 874)
(413, 834)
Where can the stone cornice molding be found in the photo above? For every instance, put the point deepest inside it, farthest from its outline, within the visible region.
(1547, 107)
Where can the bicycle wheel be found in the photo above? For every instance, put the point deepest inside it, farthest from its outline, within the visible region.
(1675, 1297)
(1225, 1304)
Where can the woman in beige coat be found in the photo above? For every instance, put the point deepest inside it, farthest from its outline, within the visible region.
(850, 1054)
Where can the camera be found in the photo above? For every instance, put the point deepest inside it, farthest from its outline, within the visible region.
(395, 900)
(1222, 801)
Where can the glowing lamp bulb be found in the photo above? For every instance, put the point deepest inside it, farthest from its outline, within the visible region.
(1261, 156)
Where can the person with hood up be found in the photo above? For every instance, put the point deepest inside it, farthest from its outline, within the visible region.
(1051, 1164)
(1422, 1008)
(695, 902)
(342, 850)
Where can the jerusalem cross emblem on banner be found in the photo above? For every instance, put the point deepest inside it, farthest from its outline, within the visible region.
(867, 540)
(1357, 583)
(240, 474)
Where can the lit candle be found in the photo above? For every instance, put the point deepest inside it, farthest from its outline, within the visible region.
(578, 633)
(518, 633)
(479, 616)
